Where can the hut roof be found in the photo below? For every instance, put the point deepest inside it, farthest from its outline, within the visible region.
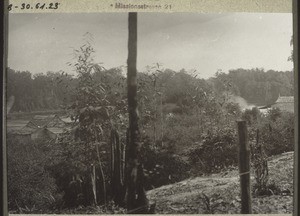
(56, 130)
(39, 121)
(67, 120)
(26, 130)
(42, 120)
(285, 99)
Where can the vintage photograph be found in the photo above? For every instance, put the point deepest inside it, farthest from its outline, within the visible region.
(157, 113)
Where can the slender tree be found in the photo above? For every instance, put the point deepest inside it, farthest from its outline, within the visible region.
(136, 196)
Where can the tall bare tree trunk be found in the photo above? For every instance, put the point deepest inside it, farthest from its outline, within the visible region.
(136, 196)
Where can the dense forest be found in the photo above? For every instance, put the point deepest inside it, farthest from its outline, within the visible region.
(53, 90)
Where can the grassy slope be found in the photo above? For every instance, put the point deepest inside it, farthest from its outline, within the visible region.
(222, 191)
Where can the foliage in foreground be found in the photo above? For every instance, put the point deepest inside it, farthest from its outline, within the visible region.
(30, 186)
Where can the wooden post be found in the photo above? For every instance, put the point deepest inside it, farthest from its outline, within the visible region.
(244, 167)
(136, 195)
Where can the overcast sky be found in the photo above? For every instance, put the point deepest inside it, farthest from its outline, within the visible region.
(205, 42)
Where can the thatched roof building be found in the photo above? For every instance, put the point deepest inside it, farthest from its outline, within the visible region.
(52, 121)
(285, 103)
(29, 133)
(41, 127)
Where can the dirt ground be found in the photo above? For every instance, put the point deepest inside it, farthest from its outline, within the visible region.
(220, 193)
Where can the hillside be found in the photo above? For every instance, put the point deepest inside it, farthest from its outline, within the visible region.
(219, 193)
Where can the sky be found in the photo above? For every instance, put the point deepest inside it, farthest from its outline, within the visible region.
(203, 42)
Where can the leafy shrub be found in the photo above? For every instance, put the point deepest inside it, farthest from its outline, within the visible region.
(71, 167)
(215, 152)
(161, 167)
(30, 186)
(277, 132)
(259, 162)
(181, 131)
(276, 129)
(270, 189)
(214, 204)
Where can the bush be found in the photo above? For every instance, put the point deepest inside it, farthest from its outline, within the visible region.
(71, 168)
(277, 132)
(270, 189)
(161, 167)
(31, 189)
(215, 152)
(259, 162)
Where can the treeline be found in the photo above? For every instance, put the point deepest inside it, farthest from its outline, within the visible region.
(54, 90)
(256, 86)
(40, 91)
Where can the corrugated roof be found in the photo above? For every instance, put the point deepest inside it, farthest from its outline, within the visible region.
(285, 99)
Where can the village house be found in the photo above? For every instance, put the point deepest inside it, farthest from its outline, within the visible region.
(285, 103)
(49, 121)
(41, 127)
(27, 134)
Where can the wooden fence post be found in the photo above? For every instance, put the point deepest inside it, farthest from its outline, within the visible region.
(244, 167)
